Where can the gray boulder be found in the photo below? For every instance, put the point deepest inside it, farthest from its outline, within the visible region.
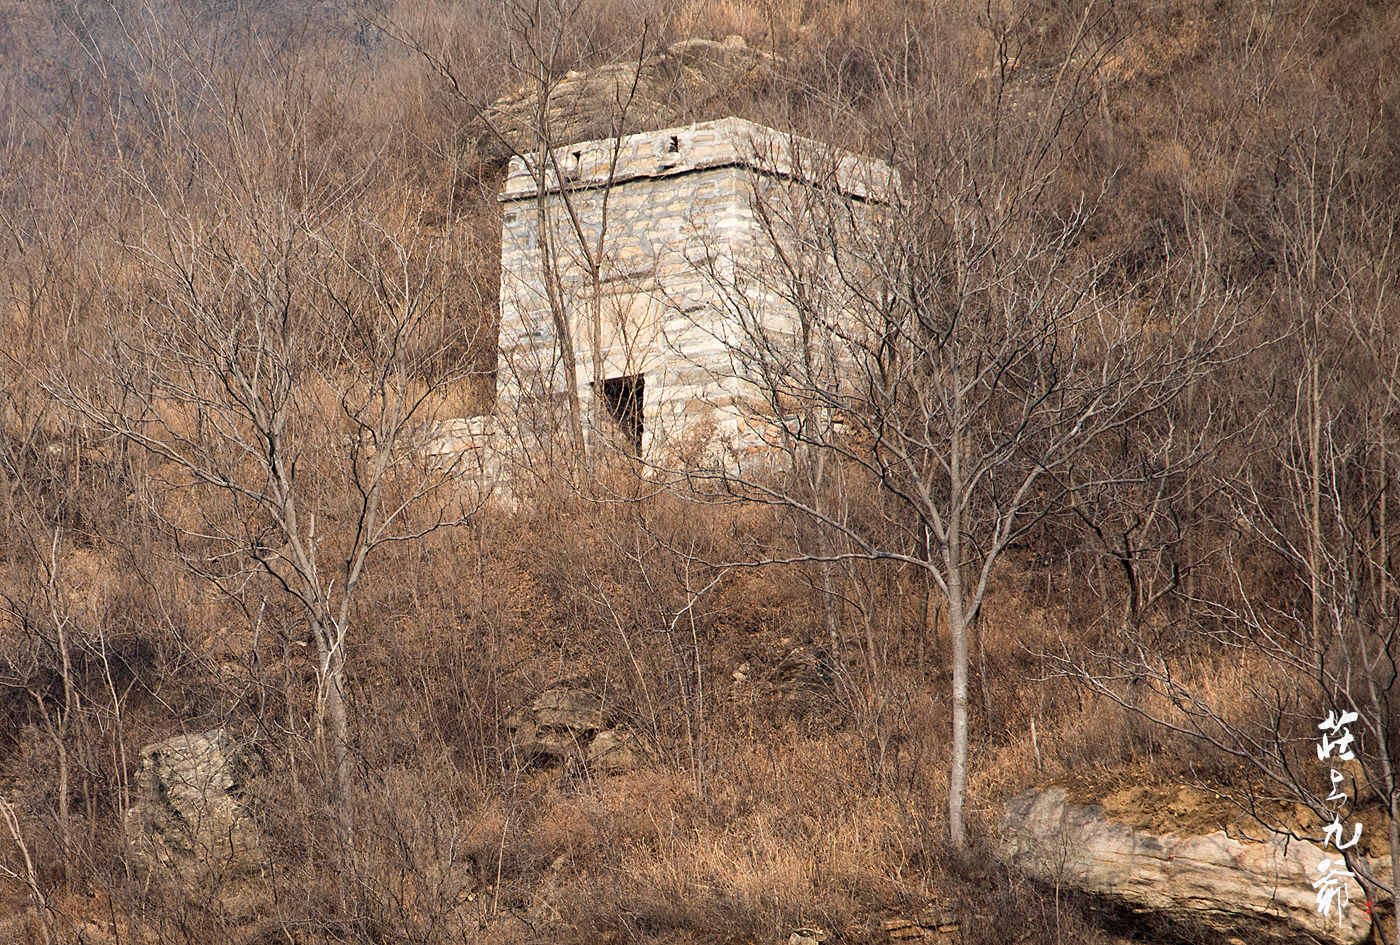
(566, 708)
(1257, 890)
(615, 750)
(188, 815)
(558, 724)
(564, 724)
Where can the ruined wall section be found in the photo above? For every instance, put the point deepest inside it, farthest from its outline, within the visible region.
(688, 282)
(676, 202)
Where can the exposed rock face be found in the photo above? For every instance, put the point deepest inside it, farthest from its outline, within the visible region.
(802, 683)
(802, 687)
(1258, 890)
(940, 921)
(568, 709)
(690, 80)
(189, 815)
(564, 724)
(614, 750)
(558, 724)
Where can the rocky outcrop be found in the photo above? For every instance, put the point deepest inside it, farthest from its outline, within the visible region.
(189, 814)
(939, 921)
(614, 750)
(564, 724)
(802, 687)
(688, 81)
(1258, 890)
(803, 681)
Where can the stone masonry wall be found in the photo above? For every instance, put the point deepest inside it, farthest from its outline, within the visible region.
(674, 280)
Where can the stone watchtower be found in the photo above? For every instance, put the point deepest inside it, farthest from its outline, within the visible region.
(638, 249)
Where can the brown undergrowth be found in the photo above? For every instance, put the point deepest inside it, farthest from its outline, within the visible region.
(791, 778)
(771, 798)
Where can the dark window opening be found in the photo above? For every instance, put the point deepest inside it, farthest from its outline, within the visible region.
(623, 398)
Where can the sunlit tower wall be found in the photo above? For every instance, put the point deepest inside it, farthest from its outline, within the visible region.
(649, 250)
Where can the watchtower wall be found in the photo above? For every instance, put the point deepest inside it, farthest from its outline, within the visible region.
(639, 248)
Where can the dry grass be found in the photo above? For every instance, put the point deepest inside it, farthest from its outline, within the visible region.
(755, 814)
(771, 821)
(749, 820)
(811, 852)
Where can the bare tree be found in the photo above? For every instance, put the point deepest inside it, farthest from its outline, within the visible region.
(285, 358)
(952, 344)
(1311, 624)
(542, 43)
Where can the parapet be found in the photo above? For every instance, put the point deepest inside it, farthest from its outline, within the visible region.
(672, 152)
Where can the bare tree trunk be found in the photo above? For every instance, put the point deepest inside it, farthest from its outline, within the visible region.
(595, 304)
(31, 876)
(558, 312)
(957, 628)
(57, 736)
(957, 775)
(1394, 826)
(337, 720)
(58, 730)
(1315, 491)
(829, 614)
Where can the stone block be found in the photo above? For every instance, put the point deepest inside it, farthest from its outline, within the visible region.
(189, 815)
